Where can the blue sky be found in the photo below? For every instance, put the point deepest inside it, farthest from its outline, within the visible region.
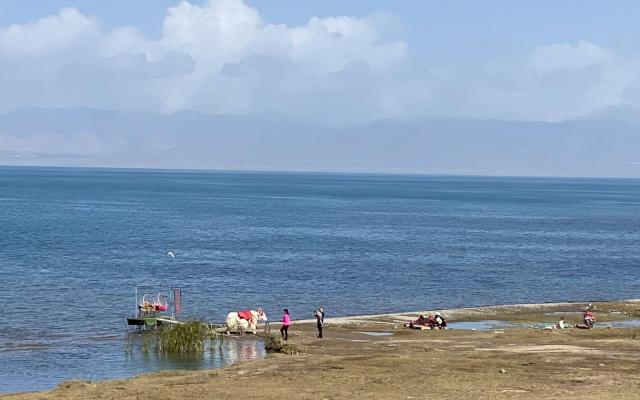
(542, 60)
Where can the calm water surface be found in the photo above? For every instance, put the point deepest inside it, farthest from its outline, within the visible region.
(75, 242)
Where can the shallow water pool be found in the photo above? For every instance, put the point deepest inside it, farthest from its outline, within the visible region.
(628, 323)
(377, 333)
(484, 325)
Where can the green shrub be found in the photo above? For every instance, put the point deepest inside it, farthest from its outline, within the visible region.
(275, 344)
(190, 337)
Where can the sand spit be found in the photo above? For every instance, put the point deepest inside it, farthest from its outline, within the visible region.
(477, 313)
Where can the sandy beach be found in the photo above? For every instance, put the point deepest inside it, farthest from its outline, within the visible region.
(375, 357)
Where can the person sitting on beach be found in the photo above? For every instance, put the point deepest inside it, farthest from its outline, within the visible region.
(560, 325)
(421, 321)
(441, 323)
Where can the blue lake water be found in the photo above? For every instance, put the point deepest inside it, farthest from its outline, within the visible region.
(75, 242)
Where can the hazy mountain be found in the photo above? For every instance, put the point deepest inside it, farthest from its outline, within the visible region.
(621, 112)
(89, 137)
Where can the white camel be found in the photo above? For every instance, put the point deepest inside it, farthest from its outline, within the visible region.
(243, 321)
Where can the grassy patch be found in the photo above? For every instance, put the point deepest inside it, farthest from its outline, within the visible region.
(190, 337)
(275, 344)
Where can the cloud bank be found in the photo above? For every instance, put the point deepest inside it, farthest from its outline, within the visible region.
(223, 58)
(219, 58)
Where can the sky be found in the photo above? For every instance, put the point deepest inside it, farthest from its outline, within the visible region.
(328, 60)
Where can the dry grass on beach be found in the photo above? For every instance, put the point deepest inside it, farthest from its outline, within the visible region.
(410, 364)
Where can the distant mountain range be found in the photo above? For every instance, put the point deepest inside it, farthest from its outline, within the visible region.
(606, 143)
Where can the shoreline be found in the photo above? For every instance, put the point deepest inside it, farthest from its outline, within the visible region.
(350, 348)
(467, 313)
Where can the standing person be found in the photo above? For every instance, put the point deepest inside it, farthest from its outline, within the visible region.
(319, 314)
(286, 322)
(589, 318)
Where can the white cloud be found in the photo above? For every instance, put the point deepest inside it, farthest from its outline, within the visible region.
(222, 57)
(234, 55)
(228, 31)
(566, 56)
(50, 35)
(125, 40)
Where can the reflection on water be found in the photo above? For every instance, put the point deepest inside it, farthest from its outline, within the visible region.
(28, 365)
(218, 353)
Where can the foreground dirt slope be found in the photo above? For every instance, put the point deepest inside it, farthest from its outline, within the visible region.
(454, 364)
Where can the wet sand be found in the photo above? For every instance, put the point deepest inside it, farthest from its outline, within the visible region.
(374, 357)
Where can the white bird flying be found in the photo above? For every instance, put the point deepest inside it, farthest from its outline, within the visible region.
(171, 254)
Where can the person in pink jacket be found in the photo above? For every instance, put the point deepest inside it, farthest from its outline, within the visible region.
(286, 323)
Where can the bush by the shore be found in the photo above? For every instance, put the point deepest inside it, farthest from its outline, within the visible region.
(275, 344)
(189, 337)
